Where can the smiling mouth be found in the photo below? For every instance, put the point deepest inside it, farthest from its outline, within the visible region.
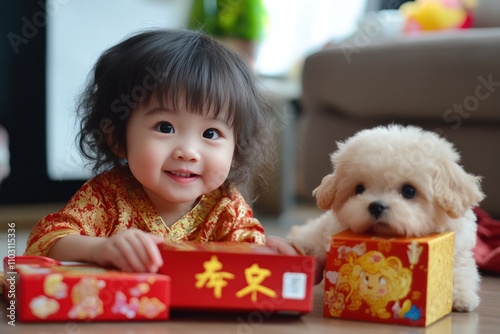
(179, 174)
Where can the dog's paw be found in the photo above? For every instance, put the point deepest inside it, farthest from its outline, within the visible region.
(465, 301)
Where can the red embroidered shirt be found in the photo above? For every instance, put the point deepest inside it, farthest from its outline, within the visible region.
(115, 201)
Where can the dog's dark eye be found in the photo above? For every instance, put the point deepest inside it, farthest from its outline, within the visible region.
(360, 189)
(408, 191)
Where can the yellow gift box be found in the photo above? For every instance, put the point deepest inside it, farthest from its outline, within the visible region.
(407, 281)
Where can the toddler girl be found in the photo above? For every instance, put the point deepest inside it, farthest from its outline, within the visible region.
(173, 122)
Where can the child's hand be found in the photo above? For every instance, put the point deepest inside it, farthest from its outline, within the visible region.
(131, 250)
(282, 246)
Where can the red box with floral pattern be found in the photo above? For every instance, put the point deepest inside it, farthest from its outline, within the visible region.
(406, 281)
(41, 289)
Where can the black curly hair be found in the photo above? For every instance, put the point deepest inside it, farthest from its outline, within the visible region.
(176, 66)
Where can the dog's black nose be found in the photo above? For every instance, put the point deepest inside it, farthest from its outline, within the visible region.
(376, 209)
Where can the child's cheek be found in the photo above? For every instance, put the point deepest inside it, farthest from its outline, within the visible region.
(382, 291)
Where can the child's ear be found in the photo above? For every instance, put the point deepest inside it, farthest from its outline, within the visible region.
(115, 146)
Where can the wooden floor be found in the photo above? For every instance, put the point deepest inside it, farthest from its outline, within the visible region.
(485, 320)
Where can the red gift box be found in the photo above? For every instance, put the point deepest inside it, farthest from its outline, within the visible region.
(407, 281)
(42, 289)
(238, 277)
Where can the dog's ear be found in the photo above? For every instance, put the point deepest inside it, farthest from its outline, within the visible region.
(325, 192)
(455, 190)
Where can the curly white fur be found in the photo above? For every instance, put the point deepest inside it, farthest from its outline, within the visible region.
(403, 181)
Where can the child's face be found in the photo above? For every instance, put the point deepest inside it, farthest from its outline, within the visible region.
(178, 156)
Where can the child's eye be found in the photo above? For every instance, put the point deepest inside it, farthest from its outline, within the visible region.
(165, 127)
(211, 134)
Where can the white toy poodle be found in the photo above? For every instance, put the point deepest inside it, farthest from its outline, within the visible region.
(403, 181)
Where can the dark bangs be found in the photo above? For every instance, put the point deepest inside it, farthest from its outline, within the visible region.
(202, 75)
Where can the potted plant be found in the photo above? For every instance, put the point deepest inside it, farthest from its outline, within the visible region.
(239, 24)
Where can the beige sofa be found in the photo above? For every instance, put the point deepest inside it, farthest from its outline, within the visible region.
(448, 82)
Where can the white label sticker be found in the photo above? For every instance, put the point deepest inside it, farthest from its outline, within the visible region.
(294, 285)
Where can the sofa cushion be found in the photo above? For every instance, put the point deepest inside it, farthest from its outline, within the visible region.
(435, 76)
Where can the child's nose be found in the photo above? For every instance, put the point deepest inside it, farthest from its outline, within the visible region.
(186, 152)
